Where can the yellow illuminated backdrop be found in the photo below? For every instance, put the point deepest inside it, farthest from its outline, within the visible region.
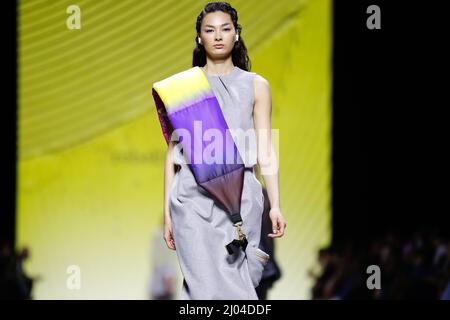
(91, 152)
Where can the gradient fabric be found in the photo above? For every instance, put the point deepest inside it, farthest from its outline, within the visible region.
(189, 112)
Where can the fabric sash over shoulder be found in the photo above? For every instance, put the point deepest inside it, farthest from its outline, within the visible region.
(187, 106)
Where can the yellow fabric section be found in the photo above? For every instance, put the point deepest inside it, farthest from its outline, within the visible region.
(182, 86)
(91, 152)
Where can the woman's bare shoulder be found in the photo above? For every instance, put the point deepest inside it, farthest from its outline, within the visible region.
(261, 86)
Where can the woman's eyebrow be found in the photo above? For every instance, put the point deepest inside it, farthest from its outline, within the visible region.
(208, 25)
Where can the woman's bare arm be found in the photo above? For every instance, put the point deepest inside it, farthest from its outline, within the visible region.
(266, 155)
(169, 173)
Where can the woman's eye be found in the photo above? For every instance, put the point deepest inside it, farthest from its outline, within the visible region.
(226, 29)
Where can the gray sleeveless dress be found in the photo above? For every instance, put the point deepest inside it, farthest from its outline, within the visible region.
(201, 229)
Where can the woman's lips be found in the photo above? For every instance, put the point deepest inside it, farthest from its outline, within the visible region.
(218, 46)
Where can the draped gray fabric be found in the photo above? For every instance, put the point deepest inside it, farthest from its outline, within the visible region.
(201, 228)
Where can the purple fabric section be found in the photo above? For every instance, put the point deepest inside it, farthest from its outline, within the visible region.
(166, 127)
(207, 143)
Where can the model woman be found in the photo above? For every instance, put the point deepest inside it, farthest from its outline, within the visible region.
(195, 226)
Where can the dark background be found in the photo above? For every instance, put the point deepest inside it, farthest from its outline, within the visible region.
(8, 125)
(388, 120)
(388, 123)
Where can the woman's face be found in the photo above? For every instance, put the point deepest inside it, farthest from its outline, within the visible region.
(217, 29)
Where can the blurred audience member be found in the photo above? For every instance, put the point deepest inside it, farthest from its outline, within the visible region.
(14, 283)
(415, 267)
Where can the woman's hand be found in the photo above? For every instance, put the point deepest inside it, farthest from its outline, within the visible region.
(278, 223)
(168, 234)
